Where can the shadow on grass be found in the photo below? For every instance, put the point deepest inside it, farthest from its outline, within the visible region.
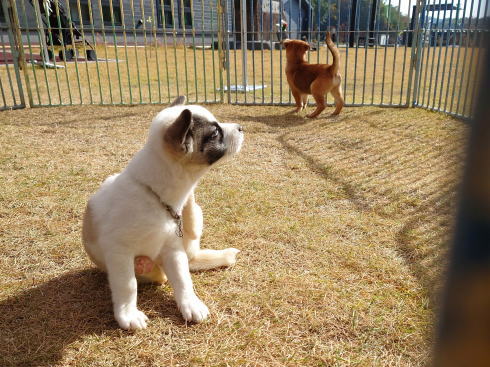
(425, 264)
(325, 172)
(39, 323)
(423, 261)
(290, 119)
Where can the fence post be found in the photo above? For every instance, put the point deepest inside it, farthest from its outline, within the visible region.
(416, 59)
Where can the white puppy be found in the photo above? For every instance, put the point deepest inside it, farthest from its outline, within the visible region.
(144, 221)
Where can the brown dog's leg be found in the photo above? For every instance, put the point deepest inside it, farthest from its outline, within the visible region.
(297, 98)
(318, 90)
(304, 101)
(320, 106)
(339, 100)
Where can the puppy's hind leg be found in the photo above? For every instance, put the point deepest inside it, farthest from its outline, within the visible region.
(339, 100)
(304, 101)
(201, 259)
(318, 89)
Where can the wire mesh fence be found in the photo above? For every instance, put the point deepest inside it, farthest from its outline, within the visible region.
(393, 52)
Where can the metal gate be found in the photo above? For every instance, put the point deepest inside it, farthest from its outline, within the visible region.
(393, 52)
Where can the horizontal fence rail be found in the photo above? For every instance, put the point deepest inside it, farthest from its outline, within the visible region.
(117, 52)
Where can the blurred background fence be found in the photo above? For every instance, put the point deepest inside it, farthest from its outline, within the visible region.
(393, 52)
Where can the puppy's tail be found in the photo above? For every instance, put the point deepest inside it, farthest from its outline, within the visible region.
(334, 51)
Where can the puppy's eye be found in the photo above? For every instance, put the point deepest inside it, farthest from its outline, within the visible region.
(215, 133)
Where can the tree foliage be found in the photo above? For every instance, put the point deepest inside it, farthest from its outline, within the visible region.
(326, 13)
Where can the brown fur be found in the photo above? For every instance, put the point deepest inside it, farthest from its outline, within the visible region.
(314, 79)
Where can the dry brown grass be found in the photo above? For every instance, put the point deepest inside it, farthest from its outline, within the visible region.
(371, 76)
(343, 225)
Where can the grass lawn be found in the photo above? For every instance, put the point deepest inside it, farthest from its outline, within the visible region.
(343, 223)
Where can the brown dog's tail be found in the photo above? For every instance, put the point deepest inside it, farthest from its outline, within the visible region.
(334, 51)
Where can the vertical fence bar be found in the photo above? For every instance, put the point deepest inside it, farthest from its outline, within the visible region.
(447, 33)
(84, 41)
(164, 30)
(102, 29)
(356, 43)
(155, 40)
(481, 54)
(244, 41)
(366, 46)
(42, 50)
(417, 54)
(29, 44)
(203, 51)
(15, 60)
(452, 58)
(212, 49)
(50, 39)
(438, 43)
(135, 39)
(94, 40)
(395, 52)
(470, 73)
(458, 56)
(221, 58)
(406, 38)
(226, 59)
(145, 47)
(193, 34)
(375, 40)
(271, 28)
(386, 51)
(252, 17)
(262, 46)
(111, 10)
(75, 51)
(125, 41)
(468, 32)
(184, 43)
(63, 48)
(21, 60)
(432, 40)
(427, 64)
(290, 36)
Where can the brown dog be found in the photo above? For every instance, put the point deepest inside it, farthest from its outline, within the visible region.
(314, 79)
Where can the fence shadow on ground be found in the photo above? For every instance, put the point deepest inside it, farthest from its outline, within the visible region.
(423, 227)
(39, 323)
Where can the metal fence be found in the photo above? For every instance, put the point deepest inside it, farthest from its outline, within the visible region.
(393, 52)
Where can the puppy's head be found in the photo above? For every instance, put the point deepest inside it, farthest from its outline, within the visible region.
(295, 49)
(192, 136)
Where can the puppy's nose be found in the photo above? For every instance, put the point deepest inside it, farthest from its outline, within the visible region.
(240, 128)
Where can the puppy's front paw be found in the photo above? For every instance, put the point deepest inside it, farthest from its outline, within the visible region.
(230, 256)
(131, 318)
(193, 309)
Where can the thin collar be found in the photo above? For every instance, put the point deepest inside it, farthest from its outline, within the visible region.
(176, 216)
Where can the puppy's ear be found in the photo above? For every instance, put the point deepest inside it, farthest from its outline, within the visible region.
(286, 42)
(179, 135)
(178, 101)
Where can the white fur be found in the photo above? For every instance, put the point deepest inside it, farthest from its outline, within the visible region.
(130, 222)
